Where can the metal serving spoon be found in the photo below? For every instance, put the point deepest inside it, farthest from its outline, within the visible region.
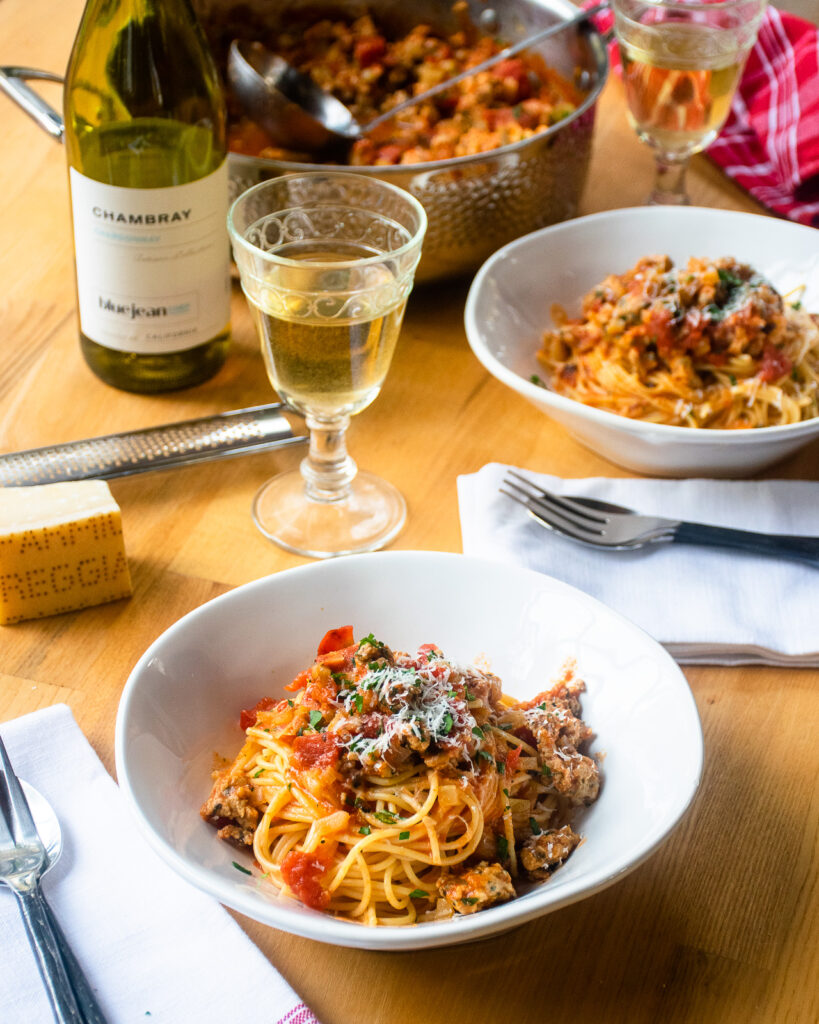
(298, 114)
(48, 828)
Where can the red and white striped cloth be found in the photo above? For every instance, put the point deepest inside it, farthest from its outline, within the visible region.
(770, 142)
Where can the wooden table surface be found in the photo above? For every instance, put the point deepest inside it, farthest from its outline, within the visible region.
(720, 925)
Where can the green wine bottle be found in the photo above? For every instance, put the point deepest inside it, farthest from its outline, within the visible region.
(145, 133)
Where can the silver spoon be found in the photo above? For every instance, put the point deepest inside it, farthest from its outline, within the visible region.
(298, 114)
(48, 828)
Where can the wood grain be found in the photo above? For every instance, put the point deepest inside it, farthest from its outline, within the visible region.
(720, 925)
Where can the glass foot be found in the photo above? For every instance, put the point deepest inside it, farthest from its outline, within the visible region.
(368, 517)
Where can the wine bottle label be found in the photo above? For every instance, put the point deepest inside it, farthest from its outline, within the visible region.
(153, 264)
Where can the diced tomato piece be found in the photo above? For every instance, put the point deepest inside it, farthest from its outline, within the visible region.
(496, 118)
(335, 640)
(247, 138)
(512, 759)
(303, 873)
(322, 689)
(247, 718)
(514, 68)
(301, 680)
(389, 154)
(368, 51)
(315, 750)
(775, 364)
(337, 661)
(659, 328)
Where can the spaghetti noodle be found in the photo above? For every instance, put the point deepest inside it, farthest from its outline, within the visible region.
(394, 788)
(709, 345)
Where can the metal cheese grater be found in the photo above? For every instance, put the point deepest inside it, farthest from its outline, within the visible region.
(139, 451)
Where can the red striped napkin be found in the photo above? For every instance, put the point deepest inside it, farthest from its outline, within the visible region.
(770, 143)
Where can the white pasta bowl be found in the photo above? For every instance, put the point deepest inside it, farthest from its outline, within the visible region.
(181, 704)
(509, 304)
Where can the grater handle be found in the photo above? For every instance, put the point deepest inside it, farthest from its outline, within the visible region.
(227, 434)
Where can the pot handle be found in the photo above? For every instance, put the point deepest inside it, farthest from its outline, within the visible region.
(13, 84)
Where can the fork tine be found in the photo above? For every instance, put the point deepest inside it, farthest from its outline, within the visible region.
(21, 821)
(567, 506)
(551, 507)
(550, 521)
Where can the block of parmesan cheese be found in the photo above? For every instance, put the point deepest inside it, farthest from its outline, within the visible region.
(61, 548)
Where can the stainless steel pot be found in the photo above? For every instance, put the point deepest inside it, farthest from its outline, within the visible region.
(475, 204)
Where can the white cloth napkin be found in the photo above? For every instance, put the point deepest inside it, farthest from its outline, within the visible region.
(152, 946)
(706, 605)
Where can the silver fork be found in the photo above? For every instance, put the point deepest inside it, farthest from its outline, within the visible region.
(611, 527)
(22, 861)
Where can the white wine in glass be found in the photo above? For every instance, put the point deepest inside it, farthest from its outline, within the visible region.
(682, 61)
(327, 262)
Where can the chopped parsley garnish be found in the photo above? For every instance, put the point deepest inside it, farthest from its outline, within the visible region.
(386, 816)
(446, 728)
(796, 305)
(403, 835)
(315, 718)
(471, 900)
(364, 830)
(728, 278)
(542, 706)
(485, 755)
(468, 694)
(732, 379)
(546, 770)
(289, 704)
(240, 868)
(501, 767)
(503, 847)
(477, 731)
(358, 700)
(714, 312)
(537, 380)
(369, 639)
(419, 894)
(258, 773)
(536, 829)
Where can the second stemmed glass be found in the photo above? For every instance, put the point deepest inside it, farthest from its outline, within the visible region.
(682, 60)
(327, 261)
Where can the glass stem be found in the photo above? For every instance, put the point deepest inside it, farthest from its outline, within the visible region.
(669, 182)
(328, 470)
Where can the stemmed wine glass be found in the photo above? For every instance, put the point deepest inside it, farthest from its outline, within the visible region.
(327, 261)
(682, 61)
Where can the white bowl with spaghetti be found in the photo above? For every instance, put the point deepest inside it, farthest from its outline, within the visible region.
(509, 308)
(181, 704)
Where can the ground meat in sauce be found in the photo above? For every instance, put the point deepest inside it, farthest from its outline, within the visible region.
(231, 808)
(364, 710)
(370, 73)
(540, 854)
(474, 888)
(688, 346)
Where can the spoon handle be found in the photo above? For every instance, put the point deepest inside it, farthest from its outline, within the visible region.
(49, 957)
(508, 51)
